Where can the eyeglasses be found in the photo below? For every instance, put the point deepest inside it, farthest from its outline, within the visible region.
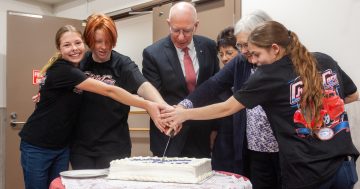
(241, 46)
(185, 32)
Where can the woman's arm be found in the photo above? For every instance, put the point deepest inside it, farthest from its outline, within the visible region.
(124, 97)
(223, 109)
(113, 92)
(351, 98)
(208, 92)
(149, 92)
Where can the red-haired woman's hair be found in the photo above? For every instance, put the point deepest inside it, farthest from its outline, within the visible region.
(100, 22)
(305, 65)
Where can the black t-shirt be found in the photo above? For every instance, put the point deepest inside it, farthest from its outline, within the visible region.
(305, 160)
(51, 123)
(102, 127)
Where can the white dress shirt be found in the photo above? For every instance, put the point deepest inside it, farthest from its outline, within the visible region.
(192, 54)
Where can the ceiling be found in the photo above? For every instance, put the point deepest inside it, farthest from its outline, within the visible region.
(53, 2)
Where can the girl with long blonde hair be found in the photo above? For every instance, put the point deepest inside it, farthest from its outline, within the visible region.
(46, 135)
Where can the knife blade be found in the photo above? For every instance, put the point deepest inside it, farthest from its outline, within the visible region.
(171, 134)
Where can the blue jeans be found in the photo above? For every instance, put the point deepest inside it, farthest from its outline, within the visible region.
(42, 165)
(344, 178)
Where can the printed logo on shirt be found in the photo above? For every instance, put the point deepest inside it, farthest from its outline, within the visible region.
(330, 80)
(333, 115)
(295, 91)
(104, 78)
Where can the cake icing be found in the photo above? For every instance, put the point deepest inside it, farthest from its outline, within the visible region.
(180, 170)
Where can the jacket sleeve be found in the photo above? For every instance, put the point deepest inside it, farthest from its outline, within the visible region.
(208, 92)
(150, 70)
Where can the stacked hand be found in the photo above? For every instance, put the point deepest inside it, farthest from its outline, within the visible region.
(166, 117)
(173, 118)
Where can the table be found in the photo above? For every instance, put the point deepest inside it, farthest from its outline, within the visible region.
(219, 180)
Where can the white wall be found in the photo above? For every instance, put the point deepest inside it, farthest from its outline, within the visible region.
(134, 35)
(329, 26)
(26, 6)
(81, 9)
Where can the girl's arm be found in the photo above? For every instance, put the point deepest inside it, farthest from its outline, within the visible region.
(223, 109)
(123, 96)
(351, 98)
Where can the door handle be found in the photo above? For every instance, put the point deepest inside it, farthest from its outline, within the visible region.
(14, 123)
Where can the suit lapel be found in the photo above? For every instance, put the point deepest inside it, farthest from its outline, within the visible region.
(174, 61)
(200, 53)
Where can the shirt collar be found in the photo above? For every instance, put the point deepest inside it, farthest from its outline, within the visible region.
(191, 47)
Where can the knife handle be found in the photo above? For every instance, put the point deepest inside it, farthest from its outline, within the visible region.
(170, 132)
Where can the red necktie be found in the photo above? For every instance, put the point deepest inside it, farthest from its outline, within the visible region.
(190, 75)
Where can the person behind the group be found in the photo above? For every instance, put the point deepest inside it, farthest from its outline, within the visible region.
(254, 145)
(226, 45)
(176, 65)
(102, 132)
(303, 95)
(46, 135)
(222, 154)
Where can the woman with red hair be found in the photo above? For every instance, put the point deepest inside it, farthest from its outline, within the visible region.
(102, 132)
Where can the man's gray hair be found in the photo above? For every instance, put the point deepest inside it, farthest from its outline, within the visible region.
(250, 21)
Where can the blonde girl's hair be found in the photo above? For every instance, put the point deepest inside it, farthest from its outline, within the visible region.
(57, 55)
(305, 65)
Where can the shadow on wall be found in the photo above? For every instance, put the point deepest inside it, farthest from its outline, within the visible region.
(353, 110)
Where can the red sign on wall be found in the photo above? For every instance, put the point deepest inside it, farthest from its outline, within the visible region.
(36, 77)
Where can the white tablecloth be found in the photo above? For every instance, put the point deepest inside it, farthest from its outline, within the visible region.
(219, 180)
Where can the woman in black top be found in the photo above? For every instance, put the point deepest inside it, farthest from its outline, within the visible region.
(102, 132)
(303, 95)
(46, 134)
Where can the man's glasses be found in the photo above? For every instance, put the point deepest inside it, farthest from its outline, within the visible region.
(185, 32)
(241, 46)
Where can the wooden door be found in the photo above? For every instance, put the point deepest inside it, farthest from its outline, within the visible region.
(214, 16)
(30, 43)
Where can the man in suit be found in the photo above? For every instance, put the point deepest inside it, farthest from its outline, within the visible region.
(175, 65)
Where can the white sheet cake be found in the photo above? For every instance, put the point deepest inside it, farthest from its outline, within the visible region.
(180, 170)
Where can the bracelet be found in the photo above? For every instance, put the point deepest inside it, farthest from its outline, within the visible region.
(186, 103)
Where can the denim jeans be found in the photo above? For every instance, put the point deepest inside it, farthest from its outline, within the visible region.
(344, 178)
(42, 165)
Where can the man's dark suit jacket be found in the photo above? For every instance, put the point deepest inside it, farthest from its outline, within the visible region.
(161, 66)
